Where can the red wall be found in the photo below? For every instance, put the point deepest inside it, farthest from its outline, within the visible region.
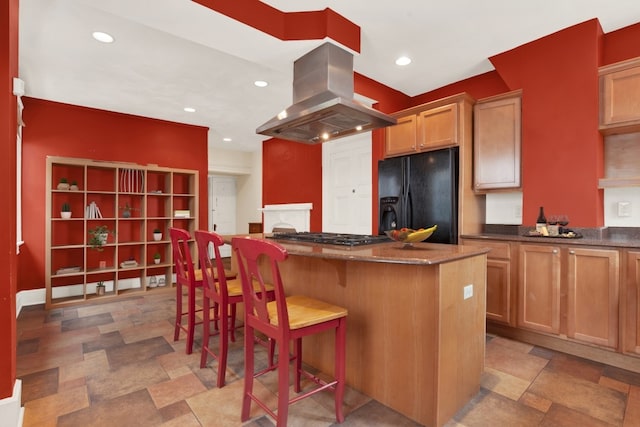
(55, 129)
(8, 129)
(562, 149)
(621, 44)
(292, 173)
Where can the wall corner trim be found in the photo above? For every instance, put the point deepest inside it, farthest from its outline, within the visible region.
(11, 412)
(29, 297)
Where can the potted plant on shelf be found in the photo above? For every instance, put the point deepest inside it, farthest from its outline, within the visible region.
(156, 258)
(65, 211)
(100, 288)
(73, 186)
(99, 235)
(63, 184)
(157, 234)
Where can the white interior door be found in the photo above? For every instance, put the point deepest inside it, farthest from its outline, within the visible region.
(222, 207)
(346, 185)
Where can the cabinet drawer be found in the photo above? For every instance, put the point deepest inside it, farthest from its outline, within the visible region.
(499, 250)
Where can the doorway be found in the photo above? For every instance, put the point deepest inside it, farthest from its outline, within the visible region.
(346, 185)
(222, 207)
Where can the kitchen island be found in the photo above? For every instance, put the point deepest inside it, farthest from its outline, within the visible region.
(415, 338)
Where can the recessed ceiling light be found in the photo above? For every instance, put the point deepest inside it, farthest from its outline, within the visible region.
(226, 139)
(102, 37)
(260, 83)
(189, 109)
(403, 60)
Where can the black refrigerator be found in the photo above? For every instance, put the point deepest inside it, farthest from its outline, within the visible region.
(420, 190)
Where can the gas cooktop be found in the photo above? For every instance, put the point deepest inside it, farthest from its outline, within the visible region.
(331, 238)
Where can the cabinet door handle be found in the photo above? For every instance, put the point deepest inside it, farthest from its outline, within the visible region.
(555, 251)
(572, 252)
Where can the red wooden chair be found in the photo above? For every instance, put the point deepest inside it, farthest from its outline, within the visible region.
(288, 318)
(222, 295)
(185, 278)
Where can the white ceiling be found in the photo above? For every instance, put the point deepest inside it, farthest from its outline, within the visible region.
(169, 54)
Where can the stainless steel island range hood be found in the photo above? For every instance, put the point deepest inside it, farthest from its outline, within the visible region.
(324, 108)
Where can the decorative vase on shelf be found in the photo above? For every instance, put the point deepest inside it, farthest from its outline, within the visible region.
(100, 288)
(126, 213)
(156, 260)
(63, 185)
(65, 215)
(73, 186)
(157, 236)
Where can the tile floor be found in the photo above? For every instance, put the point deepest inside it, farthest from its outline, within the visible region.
(114, 363)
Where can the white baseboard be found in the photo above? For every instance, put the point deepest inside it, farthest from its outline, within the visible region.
(11, 412)
(30, 297)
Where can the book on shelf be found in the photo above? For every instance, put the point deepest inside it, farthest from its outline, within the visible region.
(69, 270)
(92, 211)
(129, 263)
(182, 213)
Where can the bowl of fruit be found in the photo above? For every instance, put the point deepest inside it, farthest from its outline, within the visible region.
(409, 236)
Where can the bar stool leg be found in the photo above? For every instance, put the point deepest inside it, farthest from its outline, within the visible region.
(283, 383)
(191, 316)
(224, 348)
(248, 372)
(340, 368)
(176, 333)
(206, 332)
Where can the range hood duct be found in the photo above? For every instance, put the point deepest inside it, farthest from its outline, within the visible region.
(323, 105)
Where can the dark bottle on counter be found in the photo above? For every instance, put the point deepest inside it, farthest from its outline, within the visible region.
(541, 222)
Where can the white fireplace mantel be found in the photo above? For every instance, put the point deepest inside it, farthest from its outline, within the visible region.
(288, 215)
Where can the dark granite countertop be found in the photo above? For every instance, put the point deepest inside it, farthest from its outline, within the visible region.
(392, 252)
(619, 237)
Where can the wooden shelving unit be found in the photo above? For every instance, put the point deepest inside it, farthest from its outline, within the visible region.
(159, 198)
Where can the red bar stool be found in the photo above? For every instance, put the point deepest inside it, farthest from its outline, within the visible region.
(185, 278)
(288, 318)
(222, 295)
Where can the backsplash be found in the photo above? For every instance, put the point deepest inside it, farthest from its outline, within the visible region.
(506, 208)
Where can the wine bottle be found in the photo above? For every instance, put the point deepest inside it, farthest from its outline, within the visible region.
(541, 223)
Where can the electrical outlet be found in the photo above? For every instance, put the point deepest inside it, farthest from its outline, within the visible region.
(517, 212)
(468, 291)
(624, 208)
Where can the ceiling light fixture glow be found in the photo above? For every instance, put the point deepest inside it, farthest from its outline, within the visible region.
(261, 83)
(102, 37)
(189, 109)
(403, 60)
(227, 139)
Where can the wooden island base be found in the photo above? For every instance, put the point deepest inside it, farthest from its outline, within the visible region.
(414, 343)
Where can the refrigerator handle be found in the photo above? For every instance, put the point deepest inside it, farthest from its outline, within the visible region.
(406, 193)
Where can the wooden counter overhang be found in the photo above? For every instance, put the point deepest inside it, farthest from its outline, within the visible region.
(416, 323)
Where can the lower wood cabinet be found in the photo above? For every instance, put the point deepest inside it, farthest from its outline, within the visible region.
(539, 288)
(631, 300)
(586, 294)
(590, 280)
(500, 297)
(593, 281)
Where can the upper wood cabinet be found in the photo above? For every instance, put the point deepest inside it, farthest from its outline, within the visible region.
(430, 126)
(497, 142)
(620, 97)
(401, 138)
(438, 127)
